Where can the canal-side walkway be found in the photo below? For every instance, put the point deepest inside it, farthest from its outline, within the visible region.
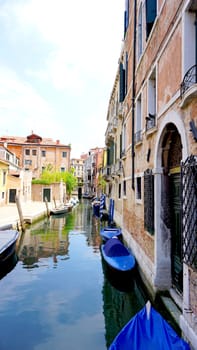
(31, 211)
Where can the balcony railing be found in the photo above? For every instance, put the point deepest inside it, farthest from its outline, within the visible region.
(107, 171)
(189, 79)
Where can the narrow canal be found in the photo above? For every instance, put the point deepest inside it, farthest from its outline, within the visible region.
(58, 296)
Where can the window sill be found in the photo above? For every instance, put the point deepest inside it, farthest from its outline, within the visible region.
(188, 96)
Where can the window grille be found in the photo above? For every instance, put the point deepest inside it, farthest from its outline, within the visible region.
(189, 210)
(149, 201)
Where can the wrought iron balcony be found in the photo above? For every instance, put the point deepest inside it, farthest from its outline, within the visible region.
(189, 79)
(107, 172)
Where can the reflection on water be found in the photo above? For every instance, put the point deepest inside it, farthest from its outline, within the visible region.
(59, 294)
(8, 265)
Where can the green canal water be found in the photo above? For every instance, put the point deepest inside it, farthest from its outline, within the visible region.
(59, 294)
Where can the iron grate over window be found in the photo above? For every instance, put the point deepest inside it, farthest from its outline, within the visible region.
(189, 210)
(149, 201)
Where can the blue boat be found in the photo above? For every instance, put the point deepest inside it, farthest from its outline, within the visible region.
(117, 256)
(148, 330)
(109, 232)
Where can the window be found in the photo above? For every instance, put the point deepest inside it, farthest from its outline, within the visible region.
(43, 153)
(3, 195)
(189, 38)
(138, 188)
(138, 124)
(123, 141)
(123, 78)
(28, 162)
(34, 152)
(27, 152)
(121, 83)
(124, 187)
(149, 201)
(126, 17)
(62, 169)
(150, 118)
(64, 154)
(139, 32)
(151, 12)
(4, 177)
(119, 191)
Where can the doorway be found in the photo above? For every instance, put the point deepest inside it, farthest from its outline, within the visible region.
(12, 195)
(176, 231)
(46, 194)
(171, 160)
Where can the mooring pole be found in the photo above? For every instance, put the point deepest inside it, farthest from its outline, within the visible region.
(18, 204)
(46, 202)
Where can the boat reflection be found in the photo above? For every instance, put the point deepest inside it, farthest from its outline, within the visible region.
(8, 265)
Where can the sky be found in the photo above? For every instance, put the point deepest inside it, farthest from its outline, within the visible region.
(58, 62)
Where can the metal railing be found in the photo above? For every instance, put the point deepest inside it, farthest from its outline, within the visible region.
(189, 79)
(189, 210)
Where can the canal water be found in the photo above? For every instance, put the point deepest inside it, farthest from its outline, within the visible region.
(58, 294)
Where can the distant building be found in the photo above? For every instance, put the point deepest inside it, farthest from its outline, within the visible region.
(78, 165)
(92, 166)
(36, 153)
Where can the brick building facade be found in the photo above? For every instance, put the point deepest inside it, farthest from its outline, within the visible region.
(151, 141)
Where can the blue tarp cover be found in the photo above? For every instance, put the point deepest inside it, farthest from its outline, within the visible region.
(113, 247)
(153, 333)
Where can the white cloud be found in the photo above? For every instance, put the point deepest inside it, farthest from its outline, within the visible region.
(63, 93)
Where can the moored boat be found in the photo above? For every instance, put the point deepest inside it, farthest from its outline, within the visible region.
(59, 210)
(8, 240)
(117, 256)
(109, 232)
(148, 330)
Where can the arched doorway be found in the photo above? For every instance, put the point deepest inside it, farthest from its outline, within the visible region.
(171, 199)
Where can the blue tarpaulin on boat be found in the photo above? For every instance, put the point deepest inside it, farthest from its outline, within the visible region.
(148, 332)
(113, 247)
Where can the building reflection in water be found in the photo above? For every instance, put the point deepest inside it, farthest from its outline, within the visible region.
(45, 239)
(50, 237)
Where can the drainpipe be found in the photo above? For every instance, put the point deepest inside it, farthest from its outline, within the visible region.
(133, 96)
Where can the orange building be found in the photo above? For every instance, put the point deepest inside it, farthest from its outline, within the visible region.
(36, 153)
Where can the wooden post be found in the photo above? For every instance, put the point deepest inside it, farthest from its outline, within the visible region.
(54, 202)
(48, 211)
(18, 204)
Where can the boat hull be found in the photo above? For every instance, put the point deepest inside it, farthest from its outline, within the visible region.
(59, 211)
(148, 330)
(117, 256)
(109, 232)
(8, 240)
